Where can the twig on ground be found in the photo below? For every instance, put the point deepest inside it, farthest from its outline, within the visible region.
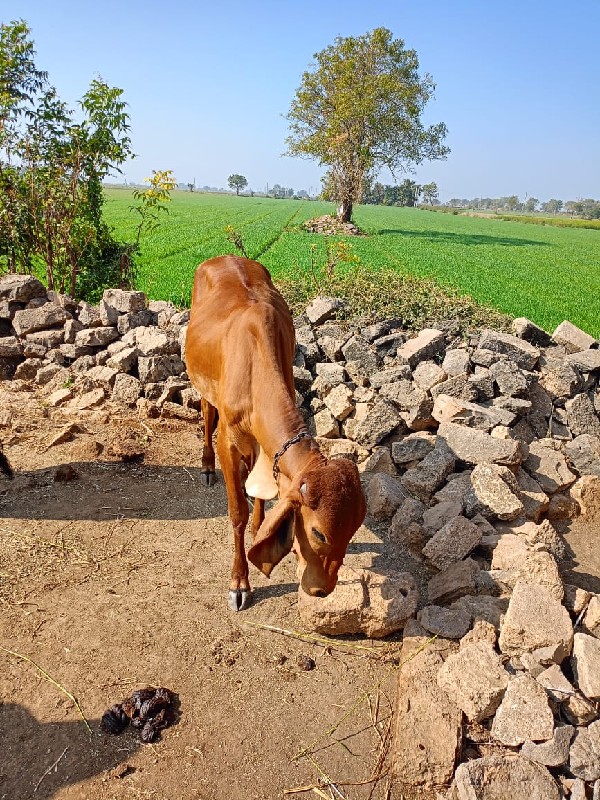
(50, 768)
(323, 641)
(51, 680)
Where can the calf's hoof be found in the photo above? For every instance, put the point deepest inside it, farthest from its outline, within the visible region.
(239, 599)
(208, 477)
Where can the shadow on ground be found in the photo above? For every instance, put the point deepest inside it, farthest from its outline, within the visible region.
(41, 758)
(464, 239)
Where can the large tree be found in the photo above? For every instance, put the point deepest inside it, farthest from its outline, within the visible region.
(358, 110)
(237, 182)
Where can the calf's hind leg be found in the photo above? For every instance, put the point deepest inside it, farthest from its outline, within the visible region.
(229, 456)
(209, 415)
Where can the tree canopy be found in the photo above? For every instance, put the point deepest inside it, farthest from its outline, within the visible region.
(237, 182)
(358, 110)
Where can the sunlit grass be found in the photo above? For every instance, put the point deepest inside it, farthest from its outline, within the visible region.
(547, 274)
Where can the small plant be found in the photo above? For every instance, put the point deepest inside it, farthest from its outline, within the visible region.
(235, 237)
(152, 201)
(69, 382)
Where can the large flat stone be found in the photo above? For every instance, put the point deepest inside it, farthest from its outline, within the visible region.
(500, 777)
(477, 447)
(428, 732)
(534, 619)
(524, 713)
(364, 601)
(523, 354)
(586, 664)
(548, 466)
(494, 493)
(475, 679)
(426, 345)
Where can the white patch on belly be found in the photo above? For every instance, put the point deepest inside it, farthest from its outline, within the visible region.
(260, 482)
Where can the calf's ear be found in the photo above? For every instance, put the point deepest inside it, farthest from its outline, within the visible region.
(275, 536)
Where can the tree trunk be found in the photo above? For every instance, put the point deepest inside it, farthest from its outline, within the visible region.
(344, 213)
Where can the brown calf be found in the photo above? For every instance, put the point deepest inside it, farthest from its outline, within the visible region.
(240, 348)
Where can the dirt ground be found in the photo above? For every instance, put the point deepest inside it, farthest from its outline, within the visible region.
(117, 579)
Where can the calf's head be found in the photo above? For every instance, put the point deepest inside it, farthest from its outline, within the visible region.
(316, 516)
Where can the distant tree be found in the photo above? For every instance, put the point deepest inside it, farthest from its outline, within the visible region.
(531, 204)
(552, 206)
(237, 182)
(408, 193)
(430, 192)
(358, 110)
(191, 187)
(511, 203)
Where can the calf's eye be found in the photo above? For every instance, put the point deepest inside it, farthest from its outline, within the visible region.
(318, 535)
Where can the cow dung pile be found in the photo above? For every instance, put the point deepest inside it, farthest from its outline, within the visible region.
(470, 451)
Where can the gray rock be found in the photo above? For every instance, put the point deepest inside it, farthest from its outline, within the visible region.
(456, 362)
(585, 360)
(389, 344)
(458, 580)
(524, 713)
(548, 466)
(364, 601)
(126, 389)
(152, 369)
(390, 375)
(339, 401)
(135, 319)
(413, 447)
(323, 308)
(460, 387)
(384, 496)
(428, 733)
(583, 453)
(540, 567)
(584, 756)
(331, 374)
(28, 369)
(440, 514)
(408, 397)
(482, 607)
(463, 412)
(560, 380)
(554, 682)
(48, 339)
(476, 447)
(39, 319)
(581, 416)
(21, 288)
(526, 329)
(382, 420)
(10, 347)
(494, 493)
(124, 301)
(95, 337)
(124, 360)
(475, 679)
(586, 664)
(153, 342)
(358, 349)
(591, 620)
(572, 338)
(380, 460)
(428, 344)
(324, 424)
(535, 619)
(523, 354)
(455, 489)
(429, 475)
(500, 777)
(450, 623)
(452, 543)
(535, 501)
(427, 374)
(510, 380)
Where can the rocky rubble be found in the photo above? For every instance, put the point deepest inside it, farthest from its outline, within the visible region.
(469, 450)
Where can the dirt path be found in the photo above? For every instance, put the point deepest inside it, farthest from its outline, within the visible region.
(116, 580)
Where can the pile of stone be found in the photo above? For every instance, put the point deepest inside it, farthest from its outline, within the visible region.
(470, 451)
(331, 226)
(123, 349)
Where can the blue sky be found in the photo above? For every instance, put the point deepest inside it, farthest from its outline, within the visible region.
(209, 83)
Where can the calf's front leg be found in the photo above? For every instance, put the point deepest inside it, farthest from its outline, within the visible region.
(209, 415)
(229, 457)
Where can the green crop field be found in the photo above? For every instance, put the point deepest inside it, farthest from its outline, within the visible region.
(545, 273)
